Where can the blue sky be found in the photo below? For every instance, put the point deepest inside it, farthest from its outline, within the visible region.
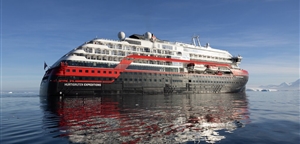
(264, 32)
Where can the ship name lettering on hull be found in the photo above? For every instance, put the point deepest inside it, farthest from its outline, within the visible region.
(81, 84)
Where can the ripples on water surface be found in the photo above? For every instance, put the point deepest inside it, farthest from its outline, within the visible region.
(257, 117)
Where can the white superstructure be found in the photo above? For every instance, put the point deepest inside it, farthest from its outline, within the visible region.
(113, 51)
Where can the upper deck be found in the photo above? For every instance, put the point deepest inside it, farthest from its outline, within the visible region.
(112, 51)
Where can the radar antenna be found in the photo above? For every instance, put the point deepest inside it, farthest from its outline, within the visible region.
(196, 41)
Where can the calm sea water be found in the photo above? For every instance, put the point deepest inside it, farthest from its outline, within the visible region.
(254, 117)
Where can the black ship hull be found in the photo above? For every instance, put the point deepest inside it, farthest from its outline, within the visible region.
(148, 83)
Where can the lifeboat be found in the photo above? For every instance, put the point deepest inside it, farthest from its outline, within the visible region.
(211, 69)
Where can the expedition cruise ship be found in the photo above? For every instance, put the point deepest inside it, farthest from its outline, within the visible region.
(143, 64)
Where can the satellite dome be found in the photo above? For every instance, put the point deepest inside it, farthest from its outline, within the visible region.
(147, 35)
(121, 36)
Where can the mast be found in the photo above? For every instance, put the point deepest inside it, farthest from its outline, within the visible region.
(196, 41)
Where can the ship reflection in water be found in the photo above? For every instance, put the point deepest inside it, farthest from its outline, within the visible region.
(150, 118)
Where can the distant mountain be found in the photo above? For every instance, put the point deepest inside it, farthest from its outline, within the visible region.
(295, 84)
(284, 86)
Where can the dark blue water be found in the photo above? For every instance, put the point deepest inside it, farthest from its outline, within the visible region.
(254, 117)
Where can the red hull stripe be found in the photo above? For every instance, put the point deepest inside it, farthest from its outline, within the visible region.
(65, 70)
(239, 72)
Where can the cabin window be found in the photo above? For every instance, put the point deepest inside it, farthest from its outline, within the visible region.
(98, 51)
(80, 70)
(93, 71)
(146, 49)
(109, 72)
(116, 72)
(98, 71)
(73, 70)
(86, 71)
(104, 72)
(119, 46)
(67, 70)
(109, 45)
